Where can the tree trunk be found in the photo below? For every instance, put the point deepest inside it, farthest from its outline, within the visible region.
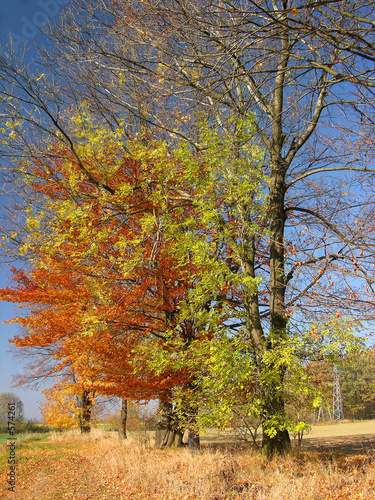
(178, 442)
(163, 425)
(278, 444)
(167, 432)
(124, 416)
(193, 433)
(85, 417)
(278, 441)
(194, 440)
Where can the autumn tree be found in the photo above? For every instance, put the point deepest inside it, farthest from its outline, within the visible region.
(67, 405)
(138, 419)
(97, 290)
(229, 59)
(357, 383)
(270, 82)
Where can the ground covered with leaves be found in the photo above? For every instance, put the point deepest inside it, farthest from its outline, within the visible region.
(68, 466)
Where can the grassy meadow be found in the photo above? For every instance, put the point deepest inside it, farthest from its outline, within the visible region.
(335, 462)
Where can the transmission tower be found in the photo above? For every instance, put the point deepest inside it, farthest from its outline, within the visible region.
(338, 411)
(324, 413)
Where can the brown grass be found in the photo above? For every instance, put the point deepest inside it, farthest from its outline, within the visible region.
(68, 466)
(343, 428)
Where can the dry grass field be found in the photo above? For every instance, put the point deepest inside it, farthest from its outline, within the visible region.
(334, 462)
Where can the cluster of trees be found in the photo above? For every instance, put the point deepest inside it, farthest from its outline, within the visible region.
(7, 400)
(357, 378)
(139, 419)
(195, 202)
(63, 409)
(12, 418)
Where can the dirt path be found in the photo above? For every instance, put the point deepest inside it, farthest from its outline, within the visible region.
(64, 471)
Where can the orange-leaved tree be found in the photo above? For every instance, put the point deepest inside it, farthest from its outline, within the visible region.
(102, 286)
(68, 405)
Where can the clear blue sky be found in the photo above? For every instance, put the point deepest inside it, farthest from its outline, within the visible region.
(21, 19)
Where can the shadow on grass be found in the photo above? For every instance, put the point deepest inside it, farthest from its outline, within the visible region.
(343, 445)
(347, 445)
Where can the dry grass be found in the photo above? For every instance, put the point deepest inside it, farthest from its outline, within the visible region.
(68, 466)
(344, 428)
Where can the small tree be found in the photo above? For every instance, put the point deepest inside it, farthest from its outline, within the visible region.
(68, 405)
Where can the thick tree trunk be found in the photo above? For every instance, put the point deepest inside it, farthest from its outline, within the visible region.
(278, 444)
(85, 417)
(193, 431)
(123, 419)
(167, 432)
(178, 441)
(276, 439)
(194, 440)
(163, 425)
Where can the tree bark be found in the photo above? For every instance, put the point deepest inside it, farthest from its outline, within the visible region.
(194, 440)
(124, 416)
(277, 440)
(167, 432)
(276, 445)
(193, 431)
(178, 441)
(85, 417)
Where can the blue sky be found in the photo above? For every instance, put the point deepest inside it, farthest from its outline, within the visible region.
(20, 19)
